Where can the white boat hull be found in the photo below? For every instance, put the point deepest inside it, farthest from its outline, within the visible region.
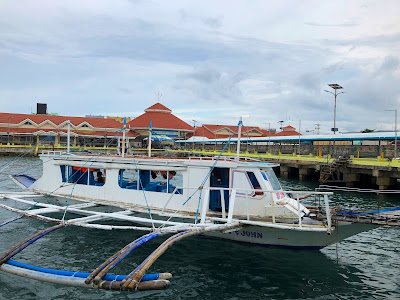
(293, 238)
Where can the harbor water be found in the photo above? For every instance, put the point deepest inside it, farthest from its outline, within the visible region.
(365, 266)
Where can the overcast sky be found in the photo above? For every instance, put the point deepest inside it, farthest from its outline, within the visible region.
(212, 61)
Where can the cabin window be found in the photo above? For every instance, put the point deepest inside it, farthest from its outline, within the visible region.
(82, 175)
(150, 180)
(245, 183)
(270, 177)
(254, 182)
(128, 179)
(241, 182)
(162, 181)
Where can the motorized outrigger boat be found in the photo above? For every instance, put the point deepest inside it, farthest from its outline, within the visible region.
(218, 197)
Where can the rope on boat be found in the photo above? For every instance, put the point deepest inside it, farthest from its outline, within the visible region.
(21, 246)
(144, 194)
(100, 153)
(11, 161)
(209, 173)
(110, 263)
(17, 217)
(11, 220)
(134, 278)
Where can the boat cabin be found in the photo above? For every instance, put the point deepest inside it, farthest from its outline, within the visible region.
(168, 184)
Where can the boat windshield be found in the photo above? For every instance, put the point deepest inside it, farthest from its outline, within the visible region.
(273, 180)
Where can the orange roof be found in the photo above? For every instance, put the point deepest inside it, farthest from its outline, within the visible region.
(57, 120)
(203, 131)
(158, 107)
(286, 133)
(211, 130)
(266, 132)
(109, 134)
(161, 118)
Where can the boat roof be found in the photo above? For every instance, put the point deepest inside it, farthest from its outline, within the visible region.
(226, 162)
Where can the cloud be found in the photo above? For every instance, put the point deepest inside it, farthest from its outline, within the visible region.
(212, 85)
(211, 64)
(331, 25)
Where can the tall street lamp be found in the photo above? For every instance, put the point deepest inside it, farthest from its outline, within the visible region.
(281, 127)
(395, 131)
(335, 87)
(194, 125)
(269, 136)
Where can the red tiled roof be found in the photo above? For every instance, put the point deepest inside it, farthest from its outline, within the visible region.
(203, 131)
(266, 132)
(286, 133)
(160, 119)
(110, 134)
(57, 120)
(210, 129)
(158, 107)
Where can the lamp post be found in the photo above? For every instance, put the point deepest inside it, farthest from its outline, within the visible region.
(269, 136)
(194, 125)
(395, 131)
(335, 87)
(280, 143)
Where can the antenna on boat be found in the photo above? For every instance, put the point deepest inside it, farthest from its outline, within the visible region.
(123, 138)
(238, 140)
(68, 135)
(150, 140)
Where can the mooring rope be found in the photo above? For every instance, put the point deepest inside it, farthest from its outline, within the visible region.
(91, 158)
(209, 173)
(204, 181)
(19, 216)
(144, 194)
(11, 161)
(43, 162)
(11, 220)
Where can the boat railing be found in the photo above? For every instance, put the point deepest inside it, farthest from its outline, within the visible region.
(223, 158)
(53, 153)
(298, 196)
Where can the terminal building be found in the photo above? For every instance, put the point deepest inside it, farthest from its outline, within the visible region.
(29, 129)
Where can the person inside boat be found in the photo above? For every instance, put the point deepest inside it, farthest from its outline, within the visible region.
(100, 178)
(216, 179)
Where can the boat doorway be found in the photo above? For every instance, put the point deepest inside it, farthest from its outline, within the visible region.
(219, 178)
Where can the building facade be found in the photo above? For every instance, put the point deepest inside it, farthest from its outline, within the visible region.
(29, 129)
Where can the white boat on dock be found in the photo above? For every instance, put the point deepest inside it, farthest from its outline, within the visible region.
(218, 197)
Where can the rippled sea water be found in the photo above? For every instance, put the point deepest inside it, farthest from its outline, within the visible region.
(365, 266)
